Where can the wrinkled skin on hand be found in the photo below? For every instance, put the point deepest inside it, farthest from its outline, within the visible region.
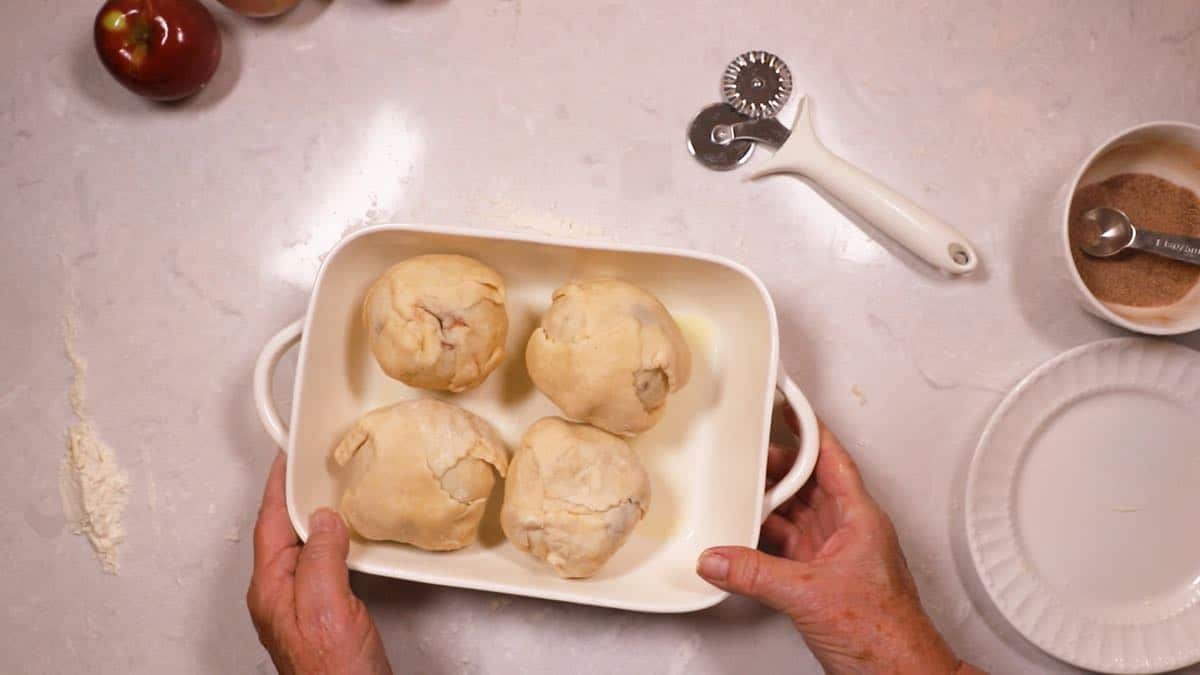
(300, 598)
(832, 562)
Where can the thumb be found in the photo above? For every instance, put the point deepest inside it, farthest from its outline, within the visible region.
(775, 582)
(322, 580)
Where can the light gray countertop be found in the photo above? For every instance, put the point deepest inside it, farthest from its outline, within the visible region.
(189, 234)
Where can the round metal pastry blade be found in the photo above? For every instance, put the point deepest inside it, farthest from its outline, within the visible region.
(708, 151)
(757, 84)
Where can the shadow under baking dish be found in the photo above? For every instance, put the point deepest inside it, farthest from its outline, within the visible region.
(706, 458)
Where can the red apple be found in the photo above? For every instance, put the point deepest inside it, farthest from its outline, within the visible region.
(162, 49)
(260, 8)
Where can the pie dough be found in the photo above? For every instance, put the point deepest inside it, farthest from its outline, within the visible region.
(573, 495)
(608, 353)
(419, 472)
(437, 321)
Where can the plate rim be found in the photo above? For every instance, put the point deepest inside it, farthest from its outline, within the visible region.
(1171, 661)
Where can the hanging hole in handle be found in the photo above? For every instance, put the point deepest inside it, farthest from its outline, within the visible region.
(960, 255)
(264, 374)
(805, 423)
(785, 426)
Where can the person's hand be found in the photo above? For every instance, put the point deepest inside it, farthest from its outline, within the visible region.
(299, 596)
(840, 574)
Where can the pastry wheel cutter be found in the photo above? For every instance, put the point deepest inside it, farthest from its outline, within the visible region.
(755, 86)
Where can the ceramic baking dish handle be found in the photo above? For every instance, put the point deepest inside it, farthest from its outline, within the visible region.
(810, 445)
(264, 372)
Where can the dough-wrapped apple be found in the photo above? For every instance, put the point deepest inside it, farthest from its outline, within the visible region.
(420, 473)
(608, 353)
(437, 321)
(573, 496)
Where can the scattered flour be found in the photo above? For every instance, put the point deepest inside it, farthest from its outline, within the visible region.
(151, 492)
(233, 534)
(685, 654)
(93, 488)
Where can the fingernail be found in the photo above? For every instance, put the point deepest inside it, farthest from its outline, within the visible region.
(713, 566)
(323, 520)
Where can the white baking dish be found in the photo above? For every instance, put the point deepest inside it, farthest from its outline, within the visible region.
(706, 458)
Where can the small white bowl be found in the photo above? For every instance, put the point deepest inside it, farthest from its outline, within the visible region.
(1170, 150)
(706, 457)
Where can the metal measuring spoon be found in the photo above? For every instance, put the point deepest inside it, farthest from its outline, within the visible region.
(1110, 231)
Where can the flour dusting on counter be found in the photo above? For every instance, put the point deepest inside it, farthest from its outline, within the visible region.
(93, 487)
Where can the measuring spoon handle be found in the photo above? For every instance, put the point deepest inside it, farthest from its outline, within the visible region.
(1174, 246)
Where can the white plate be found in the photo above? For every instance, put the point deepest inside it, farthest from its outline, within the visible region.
(706, 457)
(1082, 503)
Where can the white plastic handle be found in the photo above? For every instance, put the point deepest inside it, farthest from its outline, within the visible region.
(264, 372)
(810, 445)
(895, 215)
